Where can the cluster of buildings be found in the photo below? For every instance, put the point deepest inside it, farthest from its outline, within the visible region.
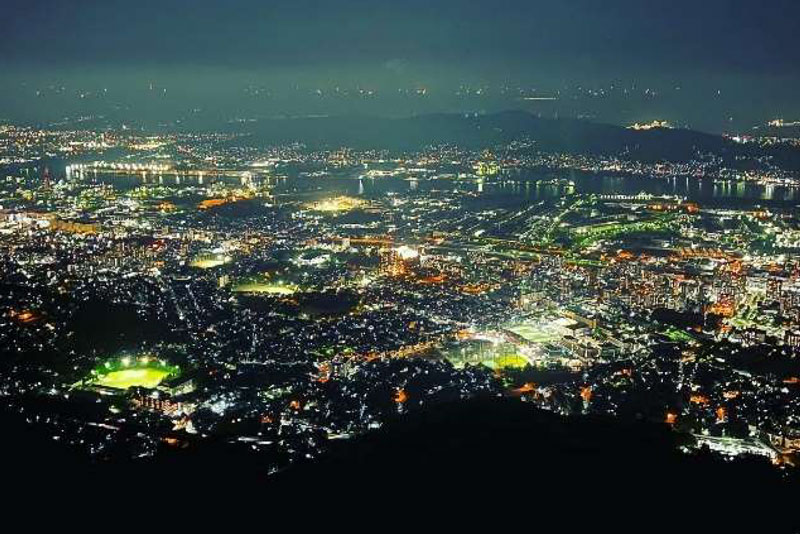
(302, 306)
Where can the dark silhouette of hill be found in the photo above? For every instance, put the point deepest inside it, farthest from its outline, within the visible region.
(504, 453)
(480, 131)
(496, 461)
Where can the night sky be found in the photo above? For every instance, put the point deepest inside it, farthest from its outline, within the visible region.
(712, 64)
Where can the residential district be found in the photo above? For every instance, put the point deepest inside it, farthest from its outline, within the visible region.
(160, 290)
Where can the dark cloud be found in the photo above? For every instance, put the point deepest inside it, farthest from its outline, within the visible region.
(617, 35)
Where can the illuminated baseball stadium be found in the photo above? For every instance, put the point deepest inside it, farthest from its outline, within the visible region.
(127, 372)
(496, 355)
(210, 261)
(339, 204)
(536, 331)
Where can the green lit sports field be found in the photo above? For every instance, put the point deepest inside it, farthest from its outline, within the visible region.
(508, 361)
(147, 377)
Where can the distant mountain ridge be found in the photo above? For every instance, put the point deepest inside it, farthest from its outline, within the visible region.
(477, 131)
